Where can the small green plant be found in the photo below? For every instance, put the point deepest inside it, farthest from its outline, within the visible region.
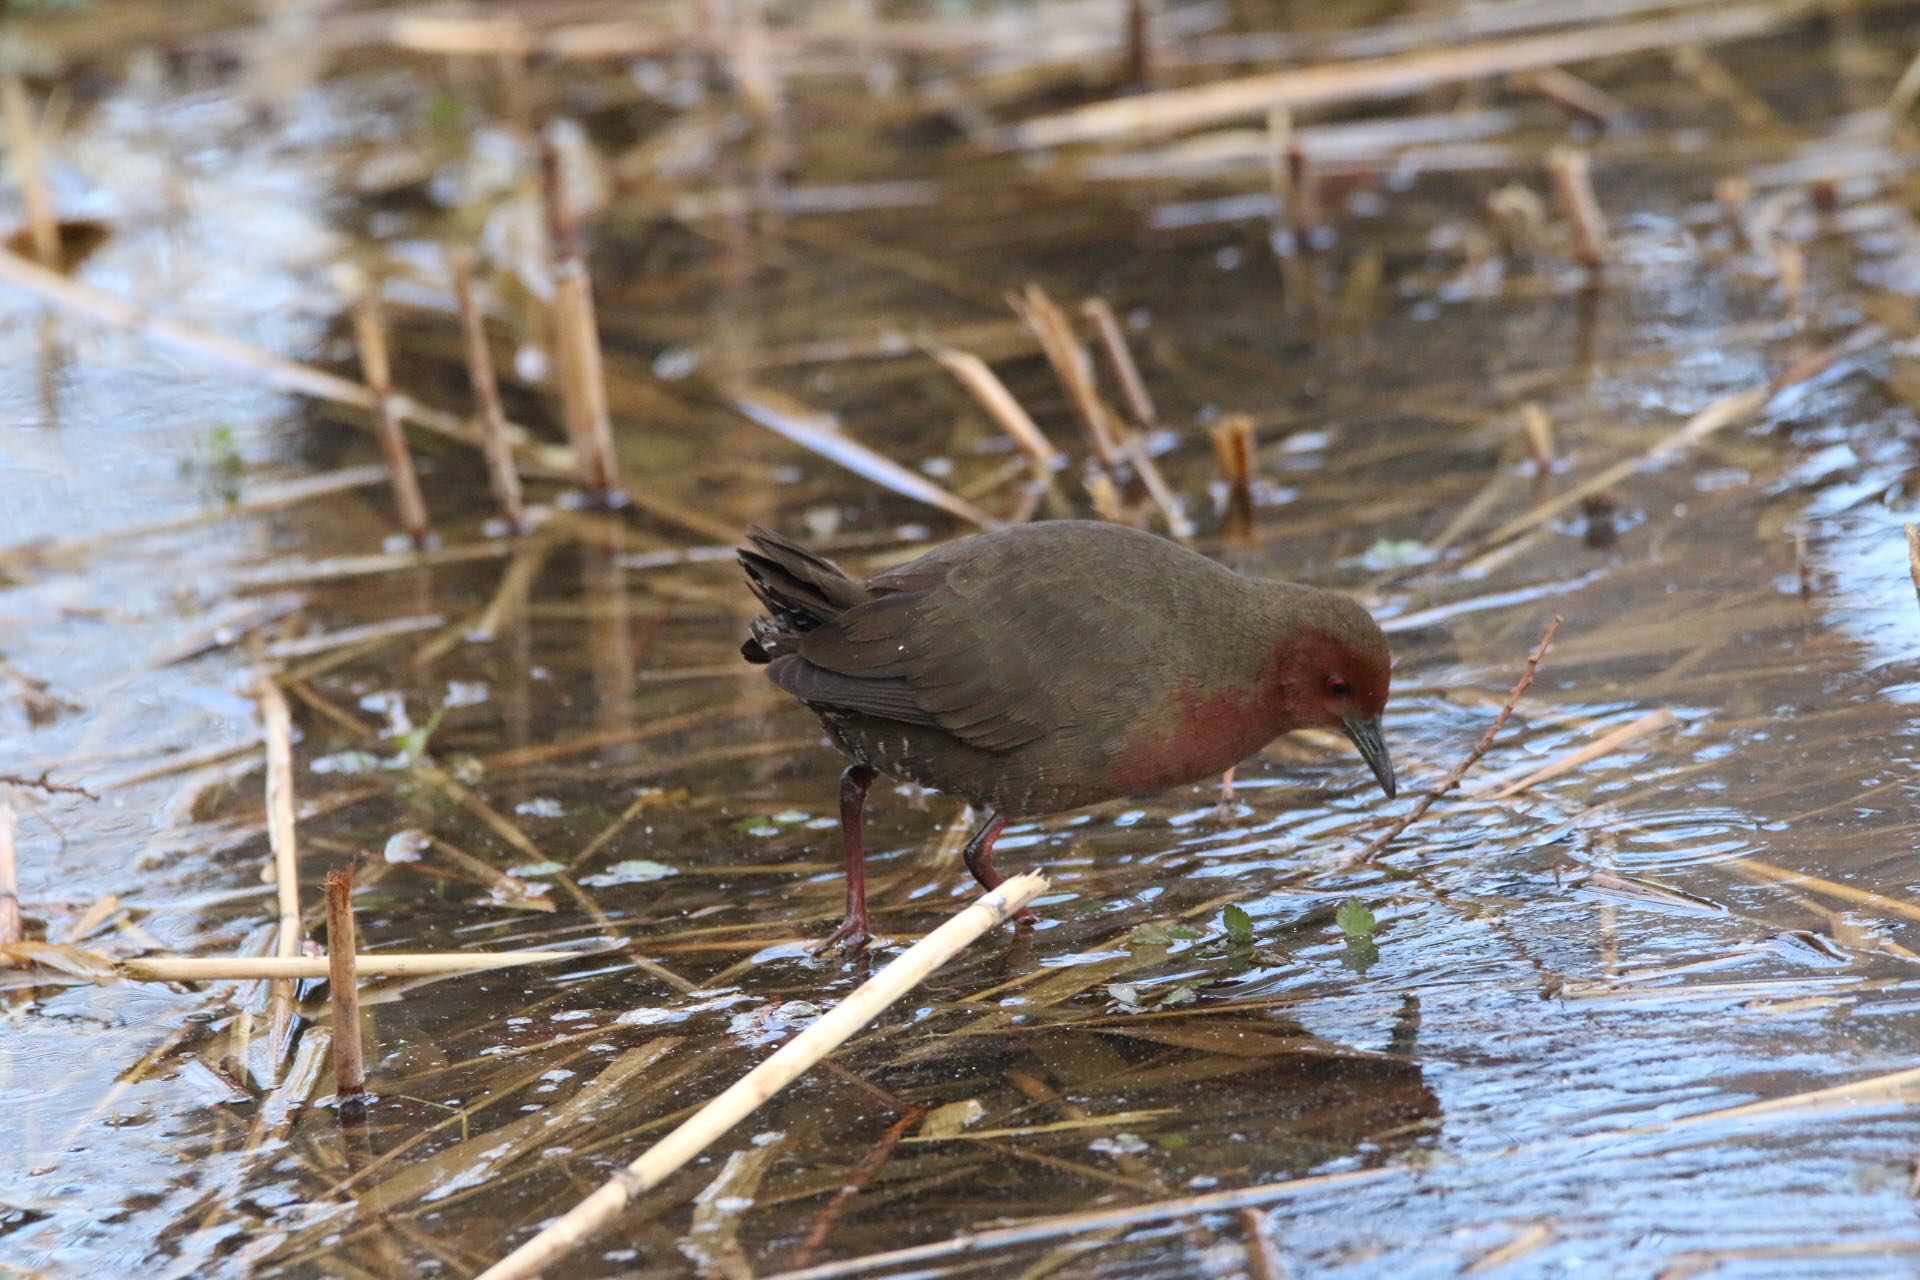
(1238, 924)
(1355, 920)
(216, 467)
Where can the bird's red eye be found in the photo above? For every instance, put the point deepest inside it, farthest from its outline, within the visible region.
(1338, 686)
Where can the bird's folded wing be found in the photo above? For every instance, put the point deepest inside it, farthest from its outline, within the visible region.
(992, 658)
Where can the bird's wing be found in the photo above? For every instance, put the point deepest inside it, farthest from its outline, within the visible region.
(990, 656)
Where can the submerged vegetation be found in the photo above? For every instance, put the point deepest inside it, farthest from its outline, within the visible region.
(394, 849)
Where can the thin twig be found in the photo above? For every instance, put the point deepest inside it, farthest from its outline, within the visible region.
(1480, 748)
(825, 1035)
(1570, 173)
(343, 987)
(1263, 1255)
(854, 1185)
(1113, 341)
(42, 783)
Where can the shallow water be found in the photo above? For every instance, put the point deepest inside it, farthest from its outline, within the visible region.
(1570, 991)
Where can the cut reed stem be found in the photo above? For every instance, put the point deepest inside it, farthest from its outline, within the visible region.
(371, 338)
(343, 987)
(1050, 327)
(1233, 446)
(23, 146)
(826, 1034)
(1113, 341)
(578, 368)
(486, 395)
(1570, 173)
(277, 726)
(1913, 557)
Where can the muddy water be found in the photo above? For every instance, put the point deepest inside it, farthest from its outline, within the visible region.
(1553, 1041)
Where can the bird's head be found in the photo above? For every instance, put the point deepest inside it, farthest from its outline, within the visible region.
(1336, 672)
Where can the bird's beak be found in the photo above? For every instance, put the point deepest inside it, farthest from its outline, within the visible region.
(1373, 749)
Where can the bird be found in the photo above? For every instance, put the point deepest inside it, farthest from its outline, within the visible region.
(1044, 667)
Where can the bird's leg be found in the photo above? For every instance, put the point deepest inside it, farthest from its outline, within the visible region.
(852, 935)
(979, 855)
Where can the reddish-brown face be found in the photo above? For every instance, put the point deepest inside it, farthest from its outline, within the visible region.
(1340, 679)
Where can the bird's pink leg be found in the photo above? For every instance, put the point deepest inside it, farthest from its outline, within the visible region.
(852, 935)
(979, 855)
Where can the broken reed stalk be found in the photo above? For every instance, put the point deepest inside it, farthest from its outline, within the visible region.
(10, 925)
(1627, 734)
(371, 338)
(1570, 172)
(1113, 341)
(277, 725)
(1190, 107)
(1233, 445)
(1556, 84)
(343, 987)
(822, 1037)
(1537, 427)
(486, 394)
(1050, 328)
(576, 339)
(1263, 1253)
(1480, 749)
(1906, 92)
(395, 964)
(1913, 557)
(1715, 417)
(23, 147)
(985, 386)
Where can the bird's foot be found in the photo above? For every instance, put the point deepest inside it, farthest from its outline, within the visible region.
(850, 939)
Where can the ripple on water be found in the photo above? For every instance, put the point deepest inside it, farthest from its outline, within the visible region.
(1679, 838)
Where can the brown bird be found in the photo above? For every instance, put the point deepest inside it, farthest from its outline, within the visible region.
(1050, 666)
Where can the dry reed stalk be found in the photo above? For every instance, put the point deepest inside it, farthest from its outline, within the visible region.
(578, 368)
(1050, 327)
(1113, 341)
(1071, 1224)
(1175, 110)
(343, 988)
(397, 964)
(981, 382)
(1722, 413)
(1480, 749)
(821, 434)
(1279, 138)
(11, 931)
(1819, 884)
(277, 726)
(1568, 90)
(751, 60)
(1532, 1240)
(1105, 496)
(269, 368)
(820, 1038)
(1233, 446)
(1913, 557)
(1570, 174)
(1537, 428)
(1263, 1252)
(23, 148)
(1712, 78)
(1651, 723)
(486, 394)
(1906, 92)
(856, 1182)
(371, 338)
(1159, 492)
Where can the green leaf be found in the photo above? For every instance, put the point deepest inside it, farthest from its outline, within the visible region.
(1239, 924)
(1354, 919)
(1184, 993)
